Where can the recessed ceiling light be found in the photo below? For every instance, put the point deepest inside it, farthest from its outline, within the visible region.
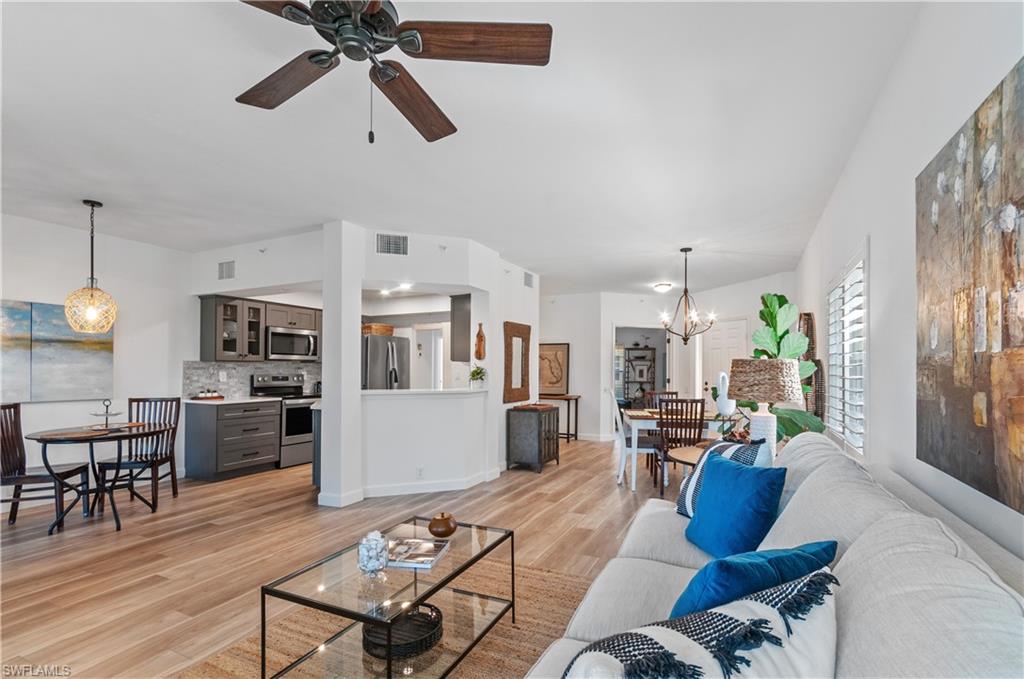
(405, 286)
(385, 293)
(662, 287)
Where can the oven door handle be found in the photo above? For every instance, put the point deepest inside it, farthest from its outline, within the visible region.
(295, 403)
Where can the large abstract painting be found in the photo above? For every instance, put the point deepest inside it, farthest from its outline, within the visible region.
(43, 359)
(970, 300)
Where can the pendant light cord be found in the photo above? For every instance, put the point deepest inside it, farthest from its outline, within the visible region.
(92, 246)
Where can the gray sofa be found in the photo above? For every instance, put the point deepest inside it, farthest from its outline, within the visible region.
(923, 594)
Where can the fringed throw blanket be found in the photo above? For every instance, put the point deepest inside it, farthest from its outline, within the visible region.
(753, 636)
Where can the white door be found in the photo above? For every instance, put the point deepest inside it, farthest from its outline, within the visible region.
(725, 341)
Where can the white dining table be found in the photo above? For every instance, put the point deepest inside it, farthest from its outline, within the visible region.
(638, 421)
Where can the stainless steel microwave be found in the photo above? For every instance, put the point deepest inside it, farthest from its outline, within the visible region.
(292, 344)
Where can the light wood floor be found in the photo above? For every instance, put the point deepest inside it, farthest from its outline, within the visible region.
(178, 585)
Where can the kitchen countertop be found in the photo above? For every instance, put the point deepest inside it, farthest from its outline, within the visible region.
(422, 392)
(229, 401)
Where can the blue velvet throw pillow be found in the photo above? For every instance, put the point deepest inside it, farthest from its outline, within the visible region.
(736, 507)
(737, 576)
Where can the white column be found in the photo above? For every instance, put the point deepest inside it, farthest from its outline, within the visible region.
(341, 447)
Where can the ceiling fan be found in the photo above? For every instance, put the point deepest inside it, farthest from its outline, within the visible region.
(363, 29)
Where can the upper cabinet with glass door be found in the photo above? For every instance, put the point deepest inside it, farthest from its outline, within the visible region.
(231, 329)
(255, 330)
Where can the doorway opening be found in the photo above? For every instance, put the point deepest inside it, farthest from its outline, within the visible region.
(640, 364)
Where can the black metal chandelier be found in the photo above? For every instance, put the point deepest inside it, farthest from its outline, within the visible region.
(686, 308)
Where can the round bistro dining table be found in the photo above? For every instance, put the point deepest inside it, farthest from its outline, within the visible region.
(114, 433)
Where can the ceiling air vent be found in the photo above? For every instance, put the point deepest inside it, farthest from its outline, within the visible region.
(390, 244)
(528, 279)
(225, 270)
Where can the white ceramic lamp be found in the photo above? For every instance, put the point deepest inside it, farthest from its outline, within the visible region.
(765, 381)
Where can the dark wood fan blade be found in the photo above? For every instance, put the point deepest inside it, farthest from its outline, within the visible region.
(416, 105)
(527, 44)
(277, 6)
(287, 81)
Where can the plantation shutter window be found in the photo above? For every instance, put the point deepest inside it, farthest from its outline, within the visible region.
(847, 349)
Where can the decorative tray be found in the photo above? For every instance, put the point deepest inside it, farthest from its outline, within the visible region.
(414, 633)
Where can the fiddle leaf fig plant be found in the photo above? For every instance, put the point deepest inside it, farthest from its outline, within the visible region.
(777, 339)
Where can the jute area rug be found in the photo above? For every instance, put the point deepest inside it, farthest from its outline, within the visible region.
(545, 602)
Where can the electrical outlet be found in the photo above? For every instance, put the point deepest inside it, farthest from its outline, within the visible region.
(223, 375)
(419, 472)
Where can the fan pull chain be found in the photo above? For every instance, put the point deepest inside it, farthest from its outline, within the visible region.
(370, 135)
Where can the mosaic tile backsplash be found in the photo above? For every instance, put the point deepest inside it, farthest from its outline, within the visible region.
(199, 375)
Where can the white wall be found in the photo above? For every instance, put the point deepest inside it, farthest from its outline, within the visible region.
(307, 298)
(953, 59)
(276, 263)
(420, 304)
(157, 323)
(576, 319)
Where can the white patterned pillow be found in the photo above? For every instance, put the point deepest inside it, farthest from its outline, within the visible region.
(754, 454)
(753, 636)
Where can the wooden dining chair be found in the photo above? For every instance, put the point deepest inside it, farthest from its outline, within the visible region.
(653, 398)
(14, 472)
(681, 422)
(651, 401)
(148, 454)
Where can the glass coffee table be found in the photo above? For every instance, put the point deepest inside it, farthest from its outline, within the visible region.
(335, 585)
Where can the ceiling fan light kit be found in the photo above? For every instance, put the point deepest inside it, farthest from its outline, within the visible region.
(361, 30)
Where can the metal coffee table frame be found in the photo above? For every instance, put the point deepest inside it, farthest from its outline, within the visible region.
(357, 617)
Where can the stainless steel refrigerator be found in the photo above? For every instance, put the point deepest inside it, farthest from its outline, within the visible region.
(385, 362)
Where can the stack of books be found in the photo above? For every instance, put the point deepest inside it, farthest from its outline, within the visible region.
(415, 552)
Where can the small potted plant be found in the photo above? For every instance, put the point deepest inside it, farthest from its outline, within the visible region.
(477, 376)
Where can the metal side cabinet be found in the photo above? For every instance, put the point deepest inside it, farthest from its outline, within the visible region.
(531, 435)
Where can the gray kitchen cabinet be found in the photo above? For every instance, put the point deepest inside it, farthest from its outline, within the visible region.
(231, 329)
(225, 440)
(285, 316)
(461, 328)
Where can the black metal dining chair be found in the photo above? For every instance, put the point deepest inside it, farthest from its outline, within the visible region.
(148, 454)
(14, 472)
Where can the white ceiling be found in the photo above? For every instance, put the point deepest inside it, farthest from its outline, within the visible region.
(720, 126)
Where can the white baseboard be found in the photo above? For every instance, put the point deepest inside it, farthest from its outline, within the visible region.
(413, 487)
(342, 500)
(600, 438)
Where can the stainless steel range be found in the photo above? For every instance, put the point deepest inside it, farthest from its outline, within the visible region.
(296, 416)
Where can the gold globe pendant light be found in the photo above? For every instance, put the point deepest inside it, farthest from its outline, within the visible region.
(90, 309)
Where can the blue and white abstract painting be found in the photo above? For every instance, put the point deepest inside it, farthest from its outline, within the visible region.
(45, 360)
(15, 351)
